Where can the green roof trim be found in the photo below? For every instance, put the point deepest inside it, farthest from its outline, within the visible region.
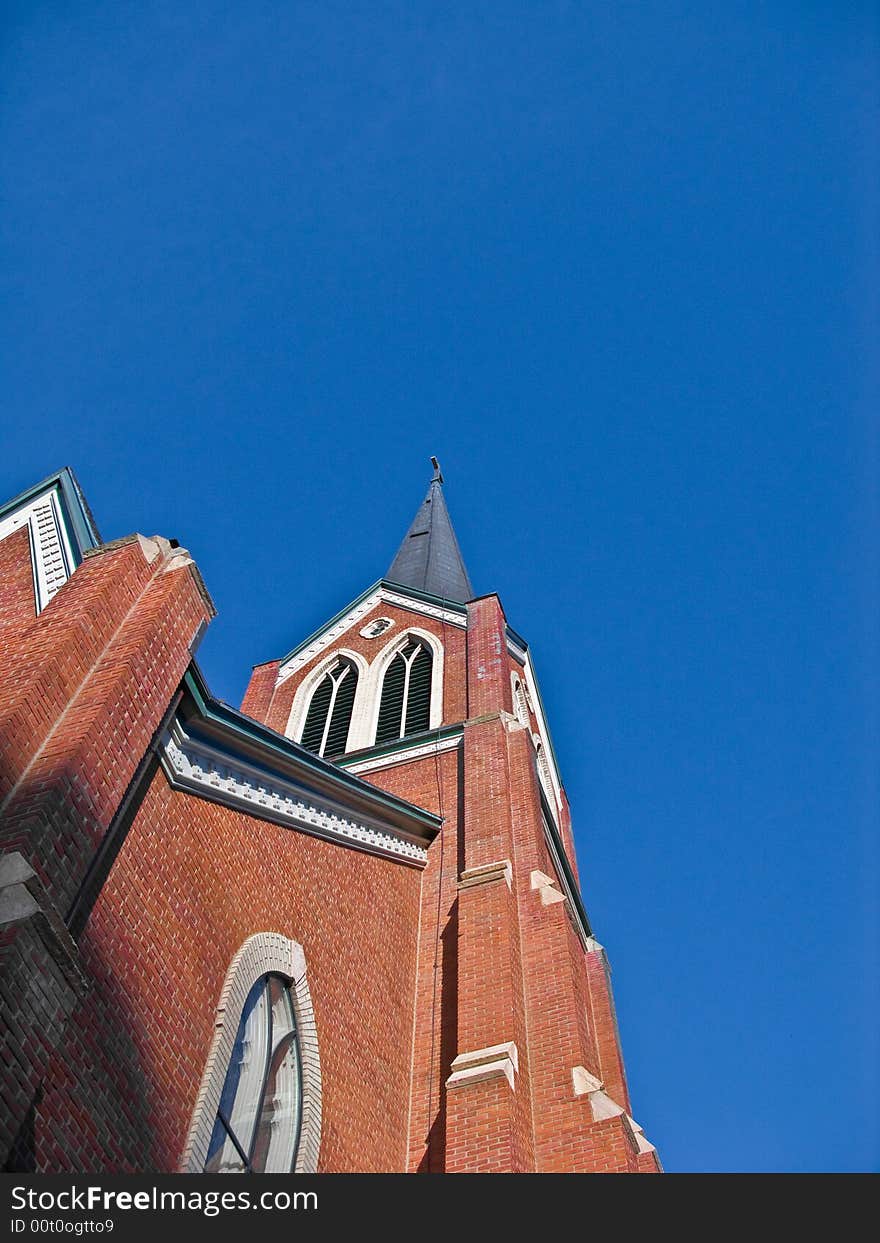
(516, 639)
(454, 606)
(245, 730)
(77, 516)
(401, 744)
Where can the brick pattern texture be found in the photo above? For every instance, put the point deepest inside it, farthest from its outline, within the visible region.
(105, 1040)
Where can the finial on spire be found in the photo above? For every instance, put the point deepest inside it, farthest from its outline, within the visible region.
(438, 473)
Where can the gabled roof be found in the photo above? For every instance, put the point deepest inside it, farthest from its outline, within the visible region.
(450, 611)
(80, 523)
(429, 559)
(61, 530)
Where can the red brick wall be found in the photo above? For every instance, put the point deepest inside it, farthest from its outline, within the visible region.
(261, 687)
(495, 964)
(17, 602)
(84, 688)
(99, 664)
(559, 1036)
(191, 883)
(488, 666)
(433, 783)
(407, 969)
(276, 713)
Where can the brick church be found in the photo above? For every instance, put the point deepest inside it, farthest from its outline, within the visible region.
(337, 929)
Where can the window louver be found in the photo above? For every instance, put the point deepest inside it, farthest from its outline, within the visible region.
(405, 707)
(317, 715)
(391, 704)
(418, 703)
(329, 716)
(337, 733)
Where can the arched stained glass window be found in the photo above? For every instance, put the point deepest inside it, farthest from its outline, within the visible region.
(329, 716)
(405, 706)
(258, 1120)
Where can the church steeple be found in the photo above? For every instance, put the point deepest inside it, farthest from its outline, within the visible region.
(429, 558)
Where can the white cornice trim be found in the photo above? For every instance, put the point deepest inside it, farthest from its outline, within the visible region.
(404, 756)
(198, 768)
(326, 637)
(51, 553)
(426, 610)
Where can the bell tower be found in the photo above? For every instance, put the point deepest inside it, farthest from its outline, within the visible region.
(421, 687)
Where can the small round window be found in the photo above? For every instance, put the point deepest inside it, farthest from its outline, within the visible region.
(378, 626)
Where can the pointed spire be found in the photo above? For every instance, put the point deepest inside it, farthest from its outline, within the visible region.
(429, 558)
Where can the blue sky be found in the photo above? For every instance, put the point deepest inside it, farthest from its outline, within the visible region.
(616, 265)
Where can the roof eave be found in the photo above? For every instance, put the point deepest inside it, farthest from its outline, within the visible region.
(78, 517)
(266, 747)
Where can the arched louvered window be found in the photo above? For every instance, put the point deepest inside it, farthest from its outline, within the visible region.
(520, 706)
(544, 771)
(329, 716)
(405, 707)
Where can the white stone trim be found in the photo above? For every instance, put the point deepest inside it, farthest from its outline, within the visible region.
(326, 637)
(495, 1062)
(583, 1082)
(547, 888)
(602, 1106)
(427, 610)
(486, 874)
(367, 698)
(556, 854)
(642, 1143)
(52, 558)
(261, 954)
(300, 707)
(404, 755)
(518, 695)
(195, 766)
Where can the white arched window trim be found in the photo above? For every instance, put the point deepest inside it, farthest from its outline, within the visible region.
(299, 709)
(545, 772)
(373, 690)
(520, 703)
(261, 954)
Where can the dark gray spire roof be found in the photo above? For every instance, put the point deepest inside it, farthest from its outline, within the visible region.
(429, 558)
